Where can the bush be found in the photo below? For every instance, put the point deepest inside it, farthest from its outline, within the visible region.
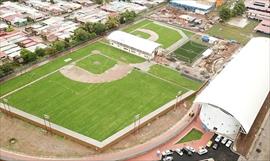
(6, 69)
(28, 56)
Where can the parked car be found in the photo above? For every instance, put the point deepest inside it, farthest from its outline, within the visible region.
(229, 143)
(168, 158)
(224, 140)
(179, 151)
(202, 151)
(187, 151)
(218, 138)
(215, 146)
(167, 152)
(209, 143)
(190, 149)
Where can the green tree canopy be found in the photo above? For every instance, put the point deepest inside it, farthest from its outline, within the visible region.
(225, 13)
(28, 56)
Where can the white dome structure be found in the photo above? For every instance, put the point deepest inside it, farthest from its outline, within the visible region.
(235, 96)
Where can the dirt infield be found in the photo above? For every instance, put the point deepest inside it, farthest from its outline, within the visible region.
(78, 74)
(153, 36)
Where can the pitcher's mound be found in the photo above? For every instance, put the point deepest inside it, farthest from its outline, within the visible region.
(78, 74)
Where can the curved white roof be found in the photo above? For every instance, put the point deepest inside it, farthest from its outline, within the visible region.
(136, 42)
(243, 85)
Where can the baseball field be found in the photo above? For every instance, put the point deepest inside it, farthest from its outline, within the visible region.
(96, 110)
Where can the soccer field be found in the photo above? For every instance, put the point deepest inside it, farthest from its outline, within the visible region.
(94, 110)
(190, 51)
(167, 35)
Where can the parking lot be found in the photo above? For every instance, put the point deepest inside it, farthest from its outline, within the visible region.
(222, 153)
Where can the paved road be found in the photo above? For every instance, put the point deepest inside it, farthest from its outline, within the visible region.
(221, 154)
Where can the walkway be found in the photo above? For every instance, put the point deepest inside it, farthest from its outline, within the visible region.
(172, 144)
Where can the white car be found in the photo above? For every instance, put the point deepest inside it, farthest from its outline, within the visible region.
(168, 152)
(168, 158)
(190, 148)
(224, 140)
(229, 143)
(202, 151)
(179, 151)
(218, 138)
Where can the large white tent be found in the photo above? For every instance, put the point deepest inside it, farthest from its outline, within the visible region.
(241, 88)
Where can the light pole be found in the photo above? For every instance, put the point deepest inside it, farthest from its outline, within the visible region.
(136, 120)
(6, 106)
(47, 119)
(177, 98)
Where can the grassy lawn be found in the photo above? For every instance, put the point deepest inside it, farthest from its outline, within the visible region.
(194, 134)
(190, 51)
(141, 34)
(167, 36)
(226, 31)
(32, 75)
(94, 110)
(96, 63)
(174, 76)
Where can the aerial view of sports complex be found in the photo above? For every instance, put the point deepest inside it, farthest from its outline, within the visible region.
(177, 80)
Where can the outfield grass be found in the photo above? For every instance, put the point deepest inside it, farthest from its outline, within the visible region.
(174, 76)
(167, 36)
(226, 31)
(28, 77)
(94, 110)
(141, 34)
(96, 63)
(194, 134)
(190, 51)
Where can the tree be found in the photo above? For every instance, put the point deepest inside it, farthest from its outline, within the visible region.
(40, 52)
(99, 28)
(239, 8)
(28, 56)
(112, 22)
(59, 45)
(127, 16)
(52, 2)
(225, 13)
(6, 69)
(89, 27)
(81, 35)
(50, 51)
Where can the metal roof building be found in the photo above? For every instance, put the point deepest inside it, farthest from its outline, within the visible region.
(235, 96)
(133, 44)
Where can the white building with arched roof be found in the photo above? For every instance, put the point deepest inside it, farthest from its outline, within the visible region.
(235, 96)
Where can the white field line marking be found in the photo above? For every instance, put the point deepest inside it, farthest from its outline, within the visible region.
(42, 77)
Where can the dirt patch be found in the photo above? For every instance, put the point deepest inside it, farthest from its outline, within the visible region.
(78, 74)
(35, 141)
(96, 52)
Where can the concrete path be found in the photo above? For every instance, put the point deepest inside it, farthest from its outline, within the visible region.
(180, 42)
(145, 66)
(153, 35)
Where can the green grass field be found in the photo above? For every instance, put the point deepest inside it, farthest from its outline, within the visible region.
(141, 34)
(226, 31)
(96, 63)
(32, 75)
(194, 134)
(95, 110)
(189, 51)
(174, 76)
(167, 36)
